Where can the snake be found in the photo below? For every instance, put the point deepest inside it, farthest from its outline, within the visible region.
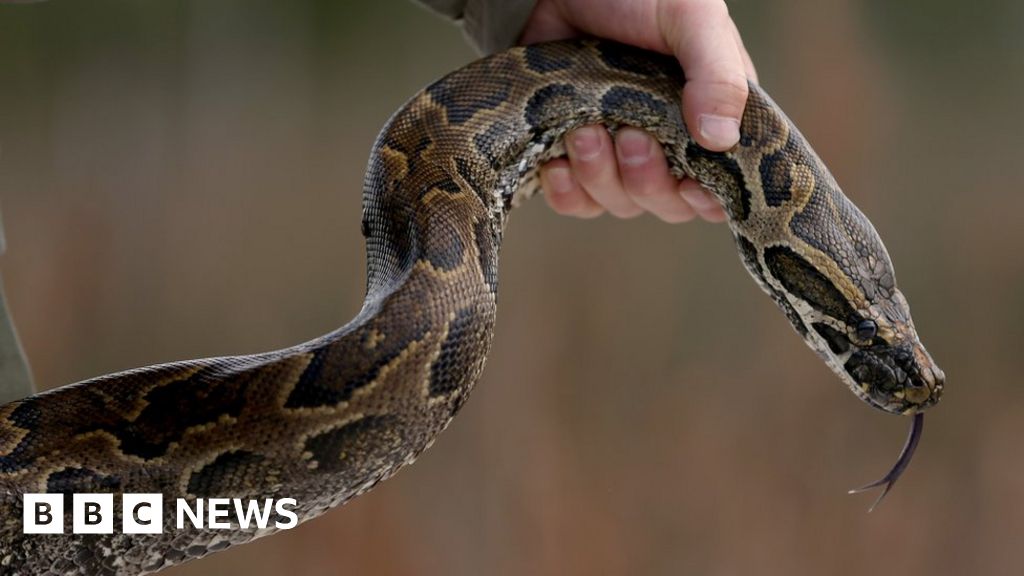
(326, 420)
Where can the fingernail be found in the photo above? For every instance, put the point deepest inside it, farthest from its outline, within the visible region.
(585, 143)
(633, 146)
(559, 180)
(719, 131)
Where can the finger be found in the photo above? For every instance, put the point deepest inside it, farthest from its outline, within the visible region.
(563, 194)
(701, 201)
(700, 35)
(646, 179)
(592, 158)
(546, 23)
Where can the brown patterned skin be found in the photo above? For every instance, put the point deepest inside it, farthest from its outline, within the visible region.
(326, 420)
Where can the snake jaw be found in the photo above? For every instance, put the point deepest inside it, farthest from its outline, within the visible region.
(887, 481)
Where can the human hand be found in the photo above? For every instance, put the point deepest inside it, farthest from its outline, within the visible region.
(630, 176)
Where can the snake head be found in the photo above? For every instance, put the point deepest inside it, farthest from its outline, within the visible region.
(880, 356)
(836, 283)
(900, 378)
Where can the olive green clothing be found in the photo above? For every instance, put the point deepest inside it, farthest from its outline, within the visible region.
(490, 25)
(15, 379)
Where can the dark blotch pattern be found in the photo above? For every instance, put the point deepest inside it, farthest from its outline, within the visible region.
(456, 361)
(540, 60)
(850, 238)
(473, 176)
(551, 104)
(80, 480)
(494, 144)
(722, 170)
(26, 416)
(440, 242)
(804, 281)
(749, 255)
(446, 184)
(776, 180)
(335, 372)
(227, 474)
(356, 445)
(874, 368)
(837, 342)
(632, 105)
(188, 399)
(412, 149)
(210, 396)
(637, 61)
(748, 252)
(462, 100)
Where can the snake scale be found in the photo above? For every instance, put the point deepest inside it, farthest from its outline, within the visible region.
(326, 420)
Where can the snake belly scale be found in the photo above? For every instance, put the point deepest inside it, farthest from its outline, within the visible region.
(326, 420)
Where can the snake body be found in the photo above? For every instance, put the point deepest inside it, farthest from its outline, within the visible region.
(326, 420)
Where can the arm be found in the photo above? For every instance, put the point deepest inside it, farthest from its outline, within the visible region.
(489, 25)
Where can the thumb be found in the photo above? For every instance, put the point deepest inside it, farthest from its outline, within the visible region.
(702, 37)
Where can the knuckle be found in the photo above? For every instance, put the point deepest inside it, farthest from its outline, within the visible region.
(730, 86)
(726, 93)
(670, 13)
(589, 174)
(595, 173)
(735, 84)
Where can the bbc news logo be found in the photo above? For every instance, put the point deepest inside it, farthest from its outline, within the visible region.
(144, 513)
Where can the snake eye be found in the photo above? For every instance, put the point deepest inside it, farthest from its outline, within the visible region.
(866, 330)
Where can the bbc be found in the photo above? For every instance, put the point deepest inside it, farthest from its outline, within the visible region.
(93, 514)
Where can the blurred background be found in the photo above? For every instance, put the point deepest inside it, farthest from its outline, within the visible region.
(182, 179)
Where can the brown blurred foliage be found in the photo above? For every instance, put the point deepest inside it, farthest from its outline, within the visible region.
(182, 179)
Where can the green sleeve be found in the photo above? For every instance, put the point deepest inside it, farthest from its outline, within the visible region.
(490, 25)
(15, 379)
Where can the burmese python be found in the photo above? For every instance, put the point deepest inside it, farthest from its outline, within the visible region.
(326, 420)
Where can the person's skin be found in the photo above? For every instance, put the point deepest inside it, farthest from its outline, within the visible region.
(630, 176)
